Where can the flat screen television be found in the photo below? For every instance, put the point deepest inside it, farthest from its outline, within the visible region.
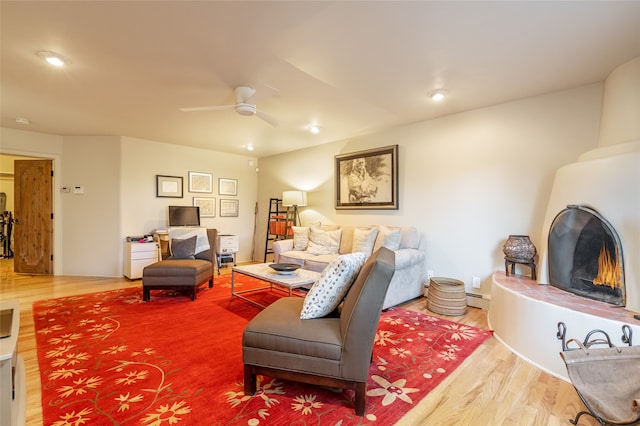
(184, 216)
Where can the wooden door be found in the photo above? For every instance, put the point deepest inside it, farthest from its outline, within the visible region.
(33, 217)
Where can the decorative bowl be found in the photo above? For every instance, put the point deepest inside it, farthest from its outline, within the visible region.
(284, 268)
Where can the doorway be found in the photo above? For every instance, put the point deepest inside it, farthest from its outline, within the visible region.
(28, 183)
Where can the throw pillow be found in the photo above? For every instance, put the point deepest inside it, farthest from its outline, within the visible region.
(334, 282)
(324, 242)
(183, 249)
(300, 237)
(388, 237)
(364, 239)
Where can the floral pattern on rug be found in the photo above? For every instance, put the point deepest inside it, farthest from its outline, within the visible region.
(139, 377)
(110, 358)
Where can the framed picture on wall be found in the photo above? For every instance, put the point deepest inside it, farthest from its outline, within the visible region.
(169, 186)
(207, 206)
(227, 186)
(367, 179)
(200, 182)
(229, 208)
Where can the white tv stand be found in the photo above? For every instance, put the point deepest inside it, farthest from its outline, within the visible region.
(13, 394)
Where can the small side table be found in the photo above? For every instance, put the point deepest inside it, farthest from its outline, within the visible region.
(510, 263)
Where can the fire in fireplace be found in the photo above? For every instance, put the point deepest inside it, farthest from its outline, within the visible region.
(585, 255)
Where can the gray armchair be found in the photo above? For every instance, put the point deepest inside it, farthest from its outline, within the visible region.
(328, 351)
(182, 274)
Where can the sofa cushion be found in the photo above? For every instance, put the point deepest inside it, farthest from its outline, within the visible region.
(297, 257)
(319, 263)
(183, 249)
(334, 282)
(364, 239)
(324, 242)
(300, 237)
(388, 237)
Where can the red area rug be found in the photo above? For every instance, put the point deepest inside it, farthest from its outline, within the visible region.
(110, 359)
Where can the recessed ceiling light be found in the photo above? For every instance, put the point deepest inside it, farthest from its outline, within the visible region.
(53, 58)
(250, 147)
(22, 120)
(314, 129)
(438, 95)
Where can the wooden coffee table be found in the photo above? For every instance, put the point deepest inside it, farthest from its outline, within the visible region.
(282, 282)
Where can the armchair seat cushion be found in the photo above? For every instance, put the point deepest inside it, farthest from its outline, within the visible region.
(280, 329)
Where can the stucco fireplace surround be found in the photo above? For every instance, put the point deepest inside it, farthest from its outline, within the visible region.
(524, 313)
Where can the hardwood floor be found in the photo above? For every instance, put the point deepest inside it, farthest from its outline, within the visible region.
(492, 386)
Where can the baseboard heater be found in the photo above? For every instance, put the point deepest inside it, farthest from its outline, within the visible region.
(478, 301)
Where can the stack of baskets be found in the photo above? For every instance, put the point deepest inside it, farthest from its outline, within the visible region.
(446, 296)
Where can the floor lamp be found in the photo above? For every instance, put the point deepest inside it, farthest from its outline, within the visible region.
(294, 199)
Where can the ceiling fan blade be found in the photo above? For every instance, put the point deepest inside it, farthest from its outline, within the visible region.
(263, 93)
(208, 108)
(266, 117)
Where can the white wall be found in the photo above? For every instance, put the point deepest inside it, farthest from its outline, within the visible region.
(91, 221)
(467, 181)
(621, 105)
(142, 212)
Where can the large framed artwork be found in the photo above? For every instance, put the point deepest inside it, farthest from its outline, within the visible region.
(169, 186)
(367, 179)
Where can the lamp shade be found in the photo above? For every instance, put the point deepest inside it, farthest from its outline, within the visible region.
(294, 198)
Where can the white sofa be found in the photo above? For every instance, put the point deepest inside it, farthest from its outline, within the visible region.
(407, 281)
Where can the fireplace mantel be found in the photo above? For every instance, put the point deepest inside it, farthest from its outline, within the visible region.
(524, 316)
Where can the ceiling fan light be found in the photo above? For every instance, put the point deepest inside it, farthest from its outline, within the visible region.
(246, 109)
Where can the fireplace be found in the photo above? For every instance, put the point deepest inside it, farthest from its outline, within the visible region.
(585, 256)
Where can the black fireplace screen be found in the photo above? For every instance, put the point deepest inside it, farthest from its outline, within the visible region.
(585, 256)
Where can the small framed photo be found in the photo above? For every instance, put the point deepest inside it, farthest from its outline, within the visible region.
(229, 208)
(207, 206)
(200, 182)
(227, 186)
(169, 186)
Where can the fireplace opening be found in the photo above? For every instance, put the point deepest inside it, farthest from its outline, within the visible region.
(585, 256)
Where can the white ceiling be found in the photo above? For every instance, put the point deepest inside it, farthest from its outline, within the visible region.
(350, 67)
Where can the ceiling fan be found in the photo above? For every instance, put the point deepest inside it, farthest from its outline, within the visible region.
(246, 99)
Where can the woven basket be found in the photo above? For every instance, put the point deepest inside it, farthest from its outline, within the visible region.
(446, 296)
